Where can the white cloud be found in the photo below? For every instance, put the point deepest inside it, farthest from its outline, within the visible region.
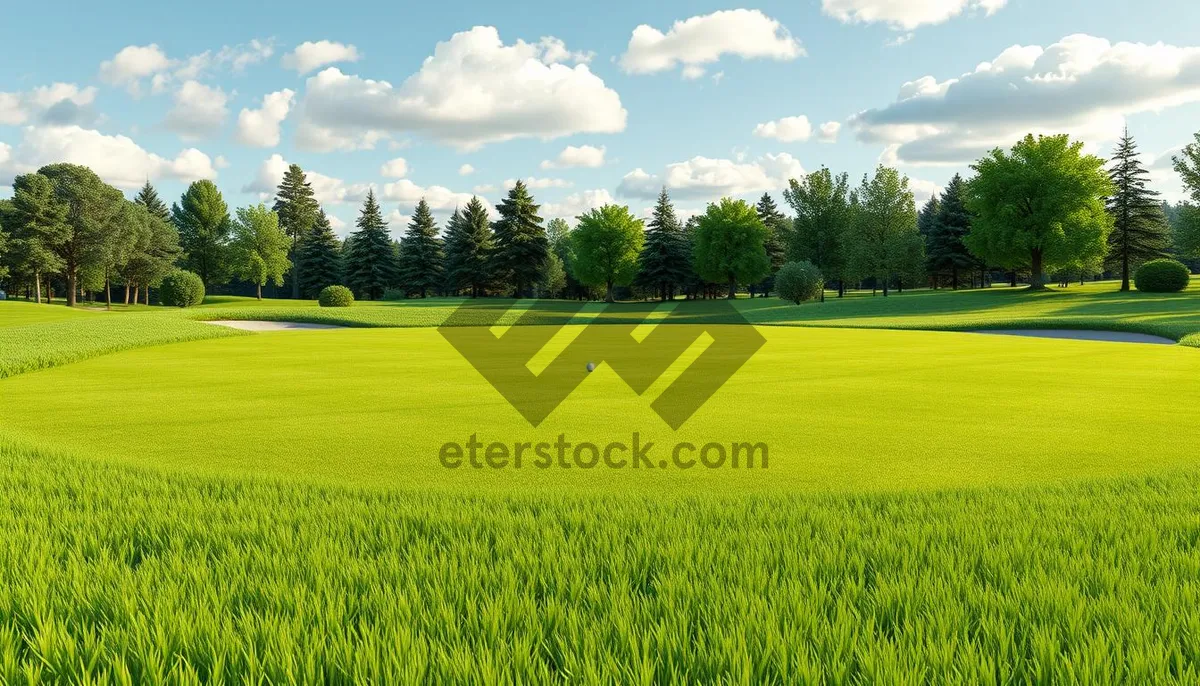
(905, 14)
(59, 104)
(538, 184)
(473, 90)
(555, 50)
(466, 170)
(394, 169)
(1082, 85)
(788, 129)
(573, 156)
(703, 177)
(199, 110)
(576, 204)
(484, 188)
(899, 40)
(312, 55)
(133, 63)
(922, 190)
(326, 189)
(260, 128)
(705, 39)
(828, 133)
(221, 162)
(439, 198)
(116, 159)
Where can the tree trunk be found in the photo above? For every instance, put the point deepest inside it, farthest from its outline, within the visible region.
(126, 292)
(608, 291)
(732, 289)
(1035, 271)
(954, 278)
(1125, 271)
(71, 284)
(295, 268)
(259, 287)
(1012, 276)
(37, 289)
(107, 292)
(147, 294)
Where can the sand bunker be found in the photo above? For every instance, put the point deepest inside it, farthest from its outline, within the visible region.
(1077, 335)
(258, 325)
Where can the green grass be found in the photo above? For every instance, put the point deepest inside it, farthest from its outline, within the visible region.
(112, 574)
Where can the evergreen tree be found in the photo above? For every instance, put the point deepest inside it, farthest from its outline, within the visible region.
(148, 198)
(521, 244)
(370, 258)
(469, 249)
(204, 225)
(298, 212)
(944, 247)
(663, 264)
(778, 228)
(927, 217)
(320, 258)
(1140, 231)
(421, 257)
(38, 228)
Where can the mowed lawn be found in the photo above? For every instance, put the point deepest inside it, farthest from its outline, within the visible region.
(839, 409)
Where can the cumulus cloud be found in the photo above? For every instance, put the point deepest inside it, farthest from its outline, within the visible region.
(484, 188)
(440, 198)
(59, 104)
(199, 110)
(312, 55)
(116, 159)
(473, 90)
(260, 128)
(923, 190)
(577, 156)
(576, 204)
(703, 177)
(394, 169)
(134, 63)
(535, 183)
(788, 129)
(466, 170)
(326, 189)
(906, 14)
(828, 133)
(1081, 85)
(704, 39)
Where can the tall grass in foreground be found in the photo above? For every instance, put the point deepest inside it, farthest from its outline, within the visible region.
(112, 574)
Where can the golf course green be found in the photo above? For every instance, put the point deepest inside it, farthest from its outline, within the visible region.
(192, 503)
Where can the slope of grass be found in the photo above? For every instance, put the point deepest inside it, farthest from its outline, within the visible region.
(840, 409)
(22, 313)
(112, 574)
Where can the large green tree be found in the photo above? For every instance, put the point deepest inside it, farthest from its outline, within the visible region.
(298, 211)
(1039, 206)
(728, 245)
(883, 241)
(370, 257)
(1185, 228)
(778, 229)
(469, 249)
(155, 251)
(320, 258)
(117, 244)
(1139, 231)
(520, 240)
(39, 227)
(821, 202)
(663, 265)
(92, 208)
(259, 250)
(606, 242)
(204, 225)
(945, 246)
(421, 257)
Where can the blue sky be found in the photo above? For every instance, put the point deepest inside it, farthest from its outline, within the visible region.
(706, 99)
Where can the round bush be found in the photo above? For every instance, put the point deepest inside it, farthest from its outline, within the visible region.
(181, 289)
(1162, 276)
(799, 281)
(335, 296)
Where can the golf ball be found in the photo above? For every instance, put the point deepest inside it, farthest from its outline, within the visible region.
(591, 366)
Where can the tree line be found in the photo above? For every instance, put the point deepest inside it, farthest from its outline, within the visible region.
(1041, 208)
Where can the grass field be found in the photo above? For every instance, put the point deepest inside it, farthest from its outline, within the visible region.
(939, 507)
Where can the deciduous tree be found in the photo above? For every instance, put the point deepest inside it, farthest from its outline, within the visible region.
(729, 246)
(883, 241)
(606, 242)
(260, 247)
(91, 208)
(38, 228)
(821, 202)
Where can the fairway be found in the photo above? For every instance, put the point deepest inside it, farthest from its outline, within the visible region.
(839, 409)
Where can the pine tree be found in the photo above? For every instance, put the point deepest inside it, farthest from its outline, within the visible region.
(663, 265)
(421, 257)
(370, 258)
(1140, 232)
(944, 247)
(148, 198)
(320, 258)
(297, 214)
(469, 249)
(521, 244)
(778, 230)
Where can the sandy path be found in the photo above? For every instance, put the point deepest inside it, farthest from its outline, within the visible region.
(258, 325)
(1079, 335)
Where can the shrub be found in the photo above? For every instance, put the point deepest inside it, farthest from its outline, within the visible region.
(1162, 276)
(181, 289)
(335, 296)
(395, 294)
(799, 281)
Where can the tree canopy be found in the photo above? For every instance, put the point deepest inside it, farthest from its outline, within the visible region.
(821, 202)
(883, 239)
(606, 243)
(370, 259)
(1139, 231)
(520, 240)
(728, 245)
(663, 264)
(204, 225)
(260, 247)
(298, 211)
(420, 266)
